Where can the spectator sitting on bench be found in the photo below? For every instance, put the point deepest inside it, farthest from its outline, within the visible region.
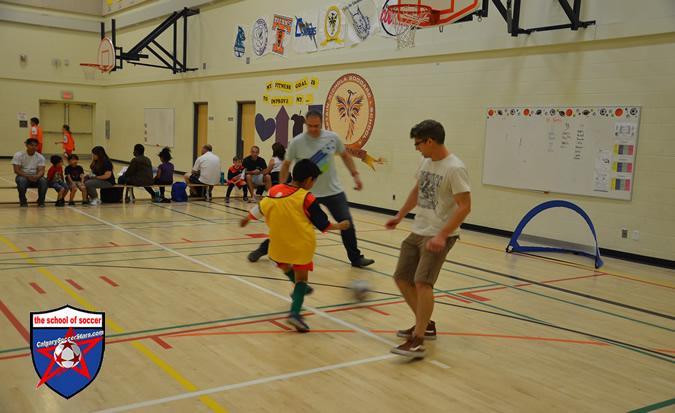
(29, 167)
(139, 171)
(206, 170)
(257, 173)
(164, 175)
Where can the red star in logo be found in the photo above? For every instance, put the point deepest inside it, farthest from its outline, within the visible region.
(81, 368)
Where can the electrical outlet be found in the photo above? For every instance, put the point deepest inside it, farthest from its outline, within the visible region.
(624, 233)
(636, 235)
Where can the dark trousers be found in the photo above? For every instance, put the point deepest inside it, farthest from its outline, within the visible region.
(339, 208)
(230, 187)
(22, 183)
(161, 188)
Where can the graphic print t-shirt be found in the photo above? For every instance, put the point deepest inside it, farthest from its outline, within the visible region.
(439, 182)
(322, 151)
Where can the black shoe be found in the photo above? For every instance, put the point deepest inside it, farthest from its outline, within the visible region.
(362, 262)
(23, 204)
(85, 202)
(71, 203)
(255, 255)
(41, 204)
(166, 201)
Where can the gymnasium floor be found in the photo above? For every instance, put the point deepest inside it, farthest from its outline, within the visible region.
(193, 326)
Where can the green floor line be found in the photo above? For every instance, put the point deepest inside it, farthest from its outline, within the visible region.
(653, 407)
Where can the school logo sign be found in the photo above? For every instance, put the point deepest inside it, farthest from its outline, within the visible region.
(67, 346)
(260, 37)
(239, 46)
(350, 112)
(332, 25)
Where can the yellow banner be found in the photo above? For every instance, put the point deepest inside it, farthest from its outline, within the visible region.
(269, 85)
(309, 99)
(301, 84)
(314, 82)
(282, 100)
(299, 99)
(266, 98)
(283, 86)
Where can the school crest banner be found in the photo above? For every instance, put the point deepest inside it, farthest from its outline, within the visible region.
(363, 19)
(281, 38)
(332, 28)
(260, 36)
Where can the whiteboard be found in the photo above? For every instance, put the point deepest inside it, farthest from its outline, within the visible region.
(159, 126)
(571, 150)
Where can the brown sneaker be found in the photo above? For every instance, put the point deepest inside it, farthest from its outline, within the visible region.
(414, 348)
(429, 333)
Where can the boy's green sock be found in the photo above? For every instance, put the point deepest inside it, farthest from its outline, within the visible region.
(291, 275)
(298, 297)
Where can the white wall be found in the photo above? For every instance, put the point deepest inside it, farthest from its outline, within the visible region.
(626, 59)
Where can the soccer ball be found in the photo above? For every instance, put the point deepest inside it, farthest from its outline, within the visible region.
(67, 354)
(360, 289)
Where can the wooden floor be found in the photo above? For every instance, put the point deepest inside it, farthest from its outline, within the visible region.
(192, 326)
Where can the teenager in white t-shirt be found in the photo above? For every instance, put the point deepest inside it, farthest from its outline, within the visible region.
(443, 200)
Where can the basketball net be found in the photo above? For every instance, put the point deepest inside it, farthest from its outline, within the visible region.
(407, 19)
(91, 70)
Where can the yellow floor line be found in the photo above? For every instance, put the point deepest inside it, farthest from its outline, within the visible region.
(149, 354)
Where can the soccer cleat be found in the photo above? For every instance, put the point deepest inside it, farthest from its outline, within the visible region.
(298, 322)
(255, 255)
(309, 291)
(429, 333)
(414, 348)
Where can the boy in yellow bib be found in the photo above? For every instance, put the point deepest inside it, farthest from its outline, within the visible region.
(291, 213)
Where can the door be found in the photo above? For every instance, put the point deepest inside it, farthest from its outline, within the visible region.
(246, 128)
(201, 133)
(80, 118)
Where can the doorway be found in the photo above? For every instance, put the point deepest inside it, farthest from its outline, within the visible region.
(80, 118)
(245, 127)
(201, 131)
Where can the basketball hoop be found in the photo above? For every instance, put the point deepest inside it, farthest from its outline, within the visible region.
(90, 70)
(408, 18)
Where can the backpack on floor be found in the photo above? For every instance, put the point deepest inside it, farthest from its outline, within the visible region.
(178, 193)
(112, 195)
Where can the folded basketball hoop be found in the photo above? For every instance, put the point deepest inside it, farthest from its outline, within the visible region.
(407, 19)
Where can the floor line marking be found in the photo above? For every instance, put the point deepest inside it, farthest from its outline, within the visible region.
(245, 384)
(15, 322)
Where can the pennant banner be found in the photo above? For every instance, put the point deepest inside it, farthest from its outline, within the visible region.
(306, 25)
(281, 28)
(241, 42)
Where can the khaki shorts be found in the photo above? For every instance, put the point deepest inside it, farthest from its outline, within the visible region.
(416, 264)
(77, 185)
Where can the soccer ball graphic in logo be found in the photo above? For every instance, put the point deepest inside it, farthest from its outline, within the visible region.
(67, 354)
(360, 289)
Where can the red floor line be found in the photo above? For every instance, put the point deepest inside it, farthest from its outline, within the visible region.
(186, 240)
(642, 281)
(74, 284)
(31, 249)
(575, 278)
(377, 311)
(109, 281)
(15, 356)
(283, 327)
(113, 244)
(455, 298)
(15, 322)
(473, 296)
(37, 288)
(161, 342)
(665, 351)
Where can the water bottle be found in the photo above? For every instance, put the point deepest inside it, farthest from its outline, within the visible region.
(156, 195)
(222, 178)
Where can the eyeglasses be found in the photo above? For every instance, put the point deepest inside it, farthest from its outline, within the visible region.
(419, 142)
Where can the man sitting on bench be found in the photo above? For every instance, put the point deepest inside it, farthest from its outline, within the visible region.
(205, 171)
(257, 173)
